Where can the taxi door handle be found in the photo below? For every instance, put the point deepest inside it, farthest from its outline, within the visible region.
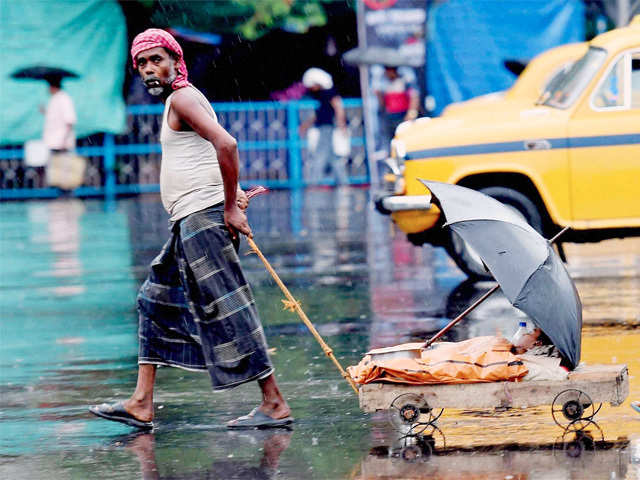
(539, 144)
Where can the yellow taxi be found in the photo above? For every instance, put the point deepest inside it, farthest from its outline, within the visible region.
(542, 71)
(570, 158)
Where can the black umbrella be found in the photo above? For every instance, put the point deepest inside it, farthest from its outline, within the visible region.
(389, 57)
(524, 264)
(42, 72)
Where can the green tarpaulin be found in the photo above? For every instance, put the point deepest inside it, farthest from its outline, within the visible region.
(87, 37)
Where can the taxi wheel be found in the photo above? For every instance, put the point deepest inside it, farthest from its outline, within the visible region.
(465, 257)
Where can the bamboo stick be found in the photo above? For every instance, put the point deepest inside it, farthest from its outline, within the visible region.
(293, 305)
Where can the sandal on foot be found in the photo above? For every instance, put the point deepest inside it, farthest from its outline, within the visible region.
(636, 406)
(117, 413)
(257, 419)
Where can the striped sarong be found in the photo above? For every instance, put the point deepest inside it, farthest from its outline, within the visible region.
(196, 310)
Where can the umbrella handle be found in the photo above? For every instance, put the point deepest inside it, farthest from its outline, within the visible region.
(460, 317)
(557, 235)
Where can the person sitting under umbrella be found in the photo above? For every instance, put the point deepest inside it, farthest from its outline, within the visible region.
(541, 357)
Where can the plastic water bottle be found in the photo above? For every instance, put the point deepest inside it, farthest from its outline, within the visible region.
(521, 332)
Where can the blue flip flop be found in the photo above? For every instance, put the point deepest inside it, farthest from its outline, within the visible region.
(257, 419)
(117, 413)
(636, 406)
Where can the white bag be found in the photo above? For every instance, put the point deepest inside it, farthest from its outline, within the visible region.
(313, 137)
(341, 141)
(66, 170)
(36, 153)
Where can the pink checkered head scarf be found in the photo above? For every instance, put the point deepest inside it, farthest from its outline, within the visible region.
(154, 37)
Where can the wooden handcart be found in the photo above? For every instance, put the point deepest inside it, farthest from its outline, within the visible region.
(574, 402)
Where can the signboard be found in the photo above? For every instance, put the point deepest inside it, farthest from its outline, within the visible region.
(396, 26)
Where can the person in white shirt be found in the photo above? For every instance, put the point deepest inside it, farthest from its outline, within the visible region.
(59, 119)
(65, 169)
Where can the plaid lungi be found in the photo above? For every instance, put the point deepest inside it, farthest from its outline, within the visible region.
(196, 310)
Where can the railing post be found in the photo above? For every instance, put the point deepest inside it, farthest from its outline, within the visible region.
(293, 145)
(109, 167)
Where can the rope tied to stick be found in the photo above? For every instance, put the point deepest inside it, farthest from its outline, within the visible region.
(290, 305)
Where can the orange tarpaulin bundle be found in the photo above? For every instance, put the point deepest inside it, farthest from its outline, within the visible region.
(477, 360)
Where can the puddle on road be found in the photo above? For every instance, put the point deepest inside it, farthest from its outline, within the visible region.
(69, 340)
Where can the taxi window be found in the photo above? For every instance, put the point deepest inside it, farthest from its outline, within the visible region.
(557, 76)
(611, 91)
(571, 85)
(635, 80)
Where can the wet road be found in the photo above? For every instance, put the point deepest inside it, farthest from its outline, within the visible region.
(70, 271)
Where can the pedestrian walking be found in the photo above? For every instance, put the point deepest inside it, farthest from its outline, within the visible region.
(327, 122)
(196, 310)
(398, 100)
(65, 169)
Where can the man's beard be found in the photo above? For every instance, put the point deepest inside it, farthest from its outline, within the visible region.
(156, 91)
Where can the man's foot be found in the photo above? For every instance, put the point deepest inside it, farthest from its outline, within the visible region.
(277, 409)
(258, 419)
(636, 406)
(116, 412)
(142, 410)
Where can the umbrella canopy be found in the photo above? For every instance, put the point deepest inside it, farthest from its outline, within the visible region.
(389, 57)
(42, 72)
(528, 270)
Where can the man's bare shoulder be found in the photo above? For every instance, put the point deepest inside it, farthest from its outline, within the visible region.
(185, 97)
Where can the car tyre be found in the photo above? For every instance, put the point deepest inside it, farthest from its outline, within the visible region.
(465, 258)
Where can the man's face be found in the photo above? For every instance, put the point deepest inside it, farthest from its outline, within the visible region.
(157, 69)
(391, 73)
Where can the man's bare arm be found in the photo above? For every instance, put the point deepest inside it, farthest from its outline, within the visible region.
(190, 111)
(338, 108)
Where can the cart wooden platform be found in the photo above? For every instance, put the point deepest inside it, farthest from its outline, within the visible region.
(576, 399)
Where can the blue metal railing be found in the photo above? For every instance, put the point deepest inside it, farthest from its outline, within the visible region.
(275, 140)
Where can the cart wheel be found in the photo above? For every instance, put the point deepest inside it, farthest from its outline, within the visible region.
(597, 410)
(580, 426)
(429, 434)
(407, 409)
(411, 453)
(571, 405)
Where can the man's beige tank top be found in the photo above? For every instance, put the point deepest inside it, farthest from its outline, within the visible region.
(190, 177)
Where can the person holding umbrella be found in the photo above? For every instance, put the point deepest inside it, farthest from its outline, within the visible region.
(60, 118)
(65, 169)
(196, 310)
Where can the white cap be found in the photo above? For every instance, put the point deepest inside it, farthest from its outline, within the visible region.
(317, 76)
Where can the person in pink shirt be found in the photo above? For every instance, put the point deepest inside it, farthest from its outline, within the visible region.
(398, 99)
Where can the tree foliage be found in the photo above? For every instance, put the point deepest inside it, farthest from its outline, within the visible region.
(249, 18)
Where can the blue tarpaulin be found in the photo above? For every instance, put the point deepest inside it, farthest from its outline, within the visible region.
(88, 37)
(468, 42)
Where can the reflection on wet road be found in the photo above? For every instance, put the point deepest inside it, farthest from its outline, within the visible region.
(70, 271)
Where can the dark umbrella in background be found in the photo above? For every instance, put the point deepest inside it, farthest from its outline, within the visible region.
(523, 263)
(42, 72)
(390, 57)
